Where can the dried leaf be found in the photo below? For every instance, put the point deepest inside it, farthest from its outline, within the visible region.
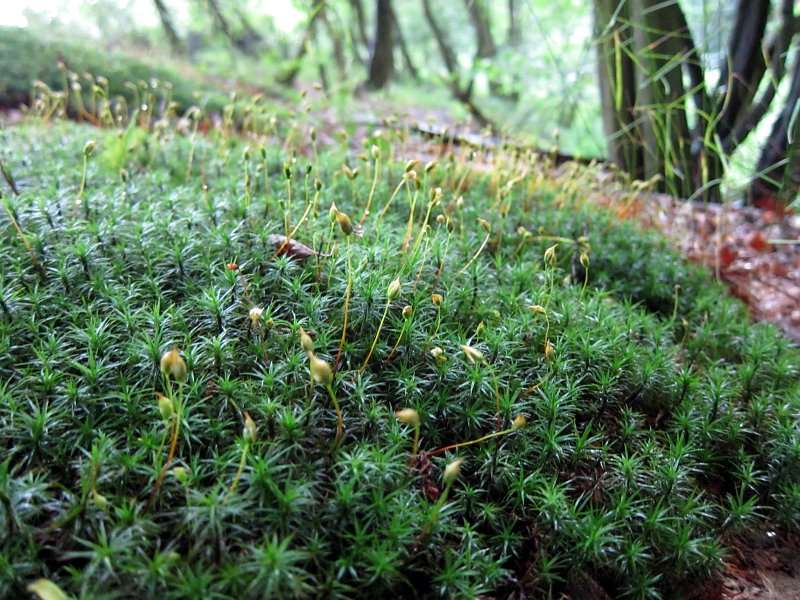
(290, 247)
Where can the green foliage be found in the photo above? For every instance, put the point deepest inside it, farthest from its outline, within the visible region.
(26, 57)
(654, 433)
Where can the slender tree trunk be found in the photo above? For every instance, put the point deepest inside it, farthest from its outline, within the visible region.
(445, 49)
(401, 41)
(483, 31)
(221, 23)
(744, 68)
(251, 40)
(381, 64)
(175, 42)
(514, 34)
(308, 36)
(778, 167)
(337, 43)
(650, 69)
(361, 23)
(616, 72)
(777, 52)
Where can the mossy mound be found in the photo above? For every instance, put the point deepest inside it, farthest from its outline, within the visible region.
(26, 57)
(659, 424)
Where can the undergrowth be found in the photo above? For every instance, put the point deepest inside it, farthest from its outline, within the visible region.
(183, 414)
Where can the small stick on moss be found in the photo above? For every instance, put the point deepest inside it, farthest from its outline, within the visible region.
(12, 215)
(9, 179)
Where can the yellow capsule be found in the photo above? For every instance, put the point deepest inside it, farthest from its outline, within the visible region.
(99, 500)
(306, 342)
(452, 470)
(472, 354)
(539, 309)
(550, 255)
(345, 224)
(519, 422)
(173, 365)
(255, 314)
(408, 416)
(165, 405)
(249, 430)
(394, 289)
(549, 350)
(321, 370)
(410, 165)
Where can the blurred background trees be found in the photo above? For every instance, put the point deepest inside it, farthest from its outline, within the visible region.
(700, 97)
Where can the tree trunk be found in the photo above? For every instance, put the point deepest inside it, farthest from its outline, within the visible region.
(361, 23)
(224, 27)
(175, 42)
(778, 167)
(514, 35)
(483, 31)
(338, 45)
(744, 68)
(316, 11)
(615, 49)
(401, 41)
(659, 32)
(650, 69)
(381, 64)
(777, 52)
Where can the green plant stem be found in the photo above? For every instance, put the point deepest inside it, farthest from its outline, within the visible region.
(496, 396)
(339, 418)
(585, 283)
(80, 200)
(437, 508)
(397, 343)
(410, 226)
(247, 183)
(35, 261)
(372, 190)
(435, 329)
(675, 303)
(287, 208)
(391, 199)
(239, 471)
(375, 341)
(471, 442)
(477, 254)
(346, 305)
(424, 227)
(173, 445)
